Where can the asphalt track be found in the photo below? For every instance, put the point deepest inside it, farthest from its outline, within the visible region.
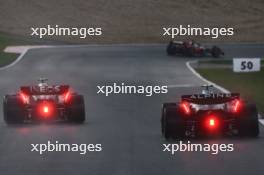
(128, 126)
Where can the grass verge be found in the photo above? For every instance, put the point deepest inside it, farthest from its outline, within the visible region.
(6, 40)
(7, 58)
(249, 85)
(220, 62)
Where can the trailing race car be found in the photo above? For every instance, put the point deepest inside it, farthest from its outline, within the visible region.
(190, 48)
(43, 102)
(209, 113)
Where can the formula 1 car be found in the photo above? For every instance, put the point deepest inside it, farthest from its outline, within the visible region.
(209, 114)
(43, 102)
(192, 49)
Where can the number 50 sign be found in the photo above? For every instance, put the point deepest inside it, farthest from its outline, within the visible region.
(246, 64)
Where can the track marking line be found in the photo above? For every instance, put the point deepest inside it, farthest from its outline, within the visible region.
(261, 121)
(22, 50)
(188, 64)
(16, 61)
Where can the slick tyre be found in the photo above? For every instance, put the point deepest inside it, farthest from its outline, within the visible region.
(14, 110)
(76, 109)
(190, 52)
(171, 49)
(172, 123)
(248, 125)
(163, 113)
(216, 51)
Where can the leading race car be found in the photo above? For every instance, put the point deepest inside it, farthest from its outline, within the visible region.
(209, 113)
(44, 102)
(192, 49)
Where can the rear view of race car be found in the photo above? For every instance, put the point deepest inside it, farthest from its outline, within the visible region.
(43, 102)
(192, 49)
(209, 113)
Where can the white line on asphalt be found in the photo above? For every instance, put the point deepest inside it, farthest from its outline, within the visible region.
(188, 64)
(16, 61)
(21, 49)
(261, 121)
(202, 78)
(25, 48)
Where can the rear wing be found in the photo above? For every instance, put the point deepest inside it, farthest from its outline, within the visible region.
(217, 98)
(45, 90)
(177, 42)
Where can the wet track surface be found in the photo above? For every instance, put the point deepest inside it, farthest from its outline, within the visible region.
(127, 126)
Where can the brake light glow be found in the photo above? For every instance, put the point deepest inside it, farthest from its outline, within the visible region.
(67, 96)
(185, 106)
(46, 109)
(237, 105)
(24, 97)
(212, 122)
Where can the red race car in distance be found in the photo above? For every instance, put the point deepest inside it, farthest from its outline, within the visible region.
(192, 49)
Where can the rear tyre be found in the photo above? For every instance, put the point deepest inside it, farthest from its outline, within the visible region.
(76, 109)
(163, 113)
(14, 110)
(171, 49)
(216, 51)
(172, 125)
(191, 52)
(248, 124)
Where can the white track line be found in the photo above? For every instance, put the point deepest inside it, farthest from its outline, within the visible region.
(16, 61)
(188, 64)
(203, 79)
(22, 50)
(261, 120)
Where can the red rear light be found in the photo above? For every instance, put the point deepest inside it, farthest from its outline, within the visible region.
(185, 107)
(67, 96)
(236, 105)
(45, 109)
(24, 97)
(212, 122)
